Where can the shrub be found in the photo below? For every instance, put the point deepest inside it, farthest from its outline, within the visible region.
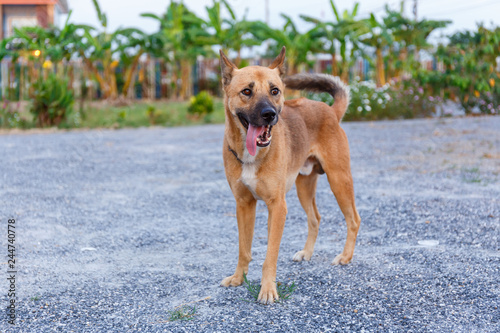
(10, 117)
(52, 100)
(155, 116)
(367, 101)
(411, 100)
(202, 104)
(405, 99)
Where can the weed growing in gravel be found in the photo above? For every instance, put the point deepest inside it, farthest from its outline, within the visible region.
(182, 313)
(35, 298)
(471, 175)
(284, 291)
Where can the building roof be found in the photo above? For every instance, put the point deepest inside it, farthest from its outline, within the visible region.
(63, 4)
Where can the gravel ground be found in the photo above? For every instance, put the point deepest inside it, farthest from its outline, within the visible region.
(117, 228)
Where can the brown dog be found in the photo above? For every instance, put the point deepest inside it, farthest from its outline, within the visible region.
(306, 141)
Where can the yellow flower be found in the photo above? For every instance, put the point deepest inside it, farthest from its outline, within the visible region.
(47, 64)
(476, 93)
(492, 82)
(114, 64)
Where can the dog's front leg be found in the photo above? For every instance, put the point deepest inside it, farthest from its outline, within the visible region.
(275, 225)
(245, 214)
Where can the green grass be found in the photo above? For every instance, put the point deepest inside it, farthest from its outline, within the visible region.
(284, 291)
(160, 113)
(136, 114)
(184, 312)
(471, 175)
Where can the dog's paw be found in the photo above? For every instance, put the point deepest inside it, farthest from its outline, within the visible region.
(341, 260)
(302, 255)
(268, 294)
(233, 281)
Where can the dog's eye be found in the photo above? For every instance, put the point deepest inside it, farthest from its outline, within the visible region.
(275, 91)
(246, 92)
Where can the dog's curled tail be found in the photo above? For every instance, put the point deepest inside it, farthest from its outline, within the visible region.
(322, 83)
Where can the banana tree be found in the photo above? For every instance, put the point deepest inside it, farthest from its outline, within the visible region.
(298, 45)
(229, 33)
(341, 36)
(379, 38)
(132, 45)
(42, 49)
(410, 37)
(41, 44)
(181, 30)
(97, 51)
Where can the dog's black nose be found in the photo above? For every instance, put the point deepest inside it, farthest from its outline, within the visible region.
(268, 114)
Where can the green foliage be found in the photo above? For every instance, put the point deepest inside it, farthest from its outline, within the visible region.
(140, 114)
(10, 116)
(52, 100)
(284, 291)
(156, 117)
(410, 99)
(469, 74)
(201, 104)
(298, 45)
(406, 99)
(100, 15)
(230, 33)
(35, 298)
(465, 68)
(182, 313)
(368, 101)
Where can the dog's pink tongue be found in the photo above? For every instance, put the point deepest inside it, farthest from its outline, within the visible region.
(252, 134)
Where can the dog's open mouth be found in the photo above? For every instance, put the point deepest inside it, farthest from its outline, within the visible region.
(257, 136)
(264, 139)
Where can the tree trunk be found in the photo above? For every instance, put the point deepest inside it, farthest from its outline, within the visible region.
(130, 74)
(291, 70)
(186, 90)
(403, 57)
(238, 59)
(335, 70)
(111, 78)
(345, 71)
(380, 68)
(98, 76)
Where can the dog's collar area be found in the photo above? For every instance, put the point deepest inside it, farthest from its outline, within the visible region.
(235, 154)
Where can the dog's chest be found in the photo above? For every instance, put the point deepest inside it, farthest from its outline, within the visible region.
(249, 177)
(249, 173)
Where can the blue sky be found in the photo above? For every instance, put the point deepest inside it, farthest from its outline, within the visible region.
(125, 13)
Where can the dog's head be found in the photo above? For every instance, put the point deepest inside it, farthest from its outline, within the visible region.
(254, 95)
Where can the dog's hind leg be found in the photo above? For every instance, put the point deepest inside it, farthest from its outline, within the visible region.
(335, 161)
(306, 191)
(245, 214)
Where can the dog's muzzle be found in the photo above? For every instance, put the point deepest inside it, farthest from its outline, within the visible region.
(270, 116)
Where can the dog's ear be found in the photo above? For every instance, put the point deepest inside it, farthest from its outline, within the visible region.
(279, 62)
(227, 68)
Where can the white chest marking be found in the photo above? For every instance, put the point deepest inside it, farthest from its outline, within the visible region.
(249, 177)
(249, 172)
